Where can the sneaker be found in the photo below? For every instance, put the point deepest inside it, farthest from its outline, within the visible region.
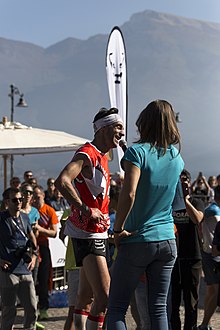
(204, 327)
(39, 326)
(43, 315)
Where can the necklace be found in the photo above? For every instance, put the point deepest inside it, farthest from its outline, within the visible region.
(26, 209)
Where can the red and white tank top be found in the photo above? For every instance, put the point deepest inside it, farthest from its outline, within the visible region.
(93, 192)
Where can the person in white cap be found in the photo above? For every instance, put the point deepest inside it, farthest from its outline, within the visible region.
(89, 220)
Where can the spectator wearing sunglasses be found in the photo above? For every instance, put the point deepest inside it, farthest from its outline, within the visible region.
(32, 212)
(27, 175)
(34, 216)
(50, 192)
(15, 274)
(33, 182)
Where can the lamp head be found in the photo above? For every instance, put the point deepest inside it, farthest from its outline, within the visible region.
(22, 103)
(177, 115)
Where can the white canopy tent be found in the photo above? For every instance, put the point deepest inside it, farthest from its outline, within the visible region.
(18, 139)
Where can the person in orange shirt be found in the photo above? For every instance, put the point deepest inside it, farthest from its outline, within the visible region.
(47, 227)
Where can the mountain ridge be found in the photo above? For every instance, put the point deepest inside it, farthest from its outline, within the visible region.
(168, 57)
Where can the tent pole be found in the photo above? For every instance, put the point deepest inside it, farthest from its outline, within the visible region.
(12, 166)
(5, 171)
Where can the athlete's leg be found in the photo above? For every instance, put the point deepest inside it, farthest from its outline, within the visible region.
(83, 302)
(97, 273)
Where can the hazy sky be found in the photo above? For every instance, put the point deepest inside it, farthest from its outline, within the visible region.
(45, 22)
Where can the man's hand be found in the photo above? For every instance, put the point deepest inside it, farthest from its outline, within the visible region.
(215, 251)
(35, 230)
(36, 227)
(185, 188)
(4, 264)
(96, 215)
(31, 265)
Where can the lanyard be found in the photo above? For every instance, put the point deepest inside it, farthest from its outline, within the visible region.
(19, 229)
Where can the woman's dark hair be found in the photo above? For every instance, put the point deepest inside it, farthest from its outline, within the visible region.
(157, 125)
(24, 187)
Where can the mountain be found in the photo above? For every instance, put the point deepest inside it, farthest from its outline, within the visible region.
(169, 57)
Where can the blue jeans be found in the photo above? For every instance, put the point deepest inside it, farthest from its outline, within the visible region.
(142, 305)
(157, 259)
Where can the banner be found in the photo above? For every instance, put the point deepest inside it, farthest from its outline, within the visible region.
(117, 77)
(57, 247)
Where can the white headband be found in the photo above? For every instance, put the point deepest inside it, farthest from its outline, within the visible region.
(106, 121)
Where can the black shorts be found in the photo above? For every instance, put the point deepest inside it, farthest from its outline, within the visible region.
(84, 247)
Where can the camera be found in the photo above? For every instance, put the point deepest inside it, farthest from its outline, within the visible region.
(25, 252)
(185, 187)
(216, 267)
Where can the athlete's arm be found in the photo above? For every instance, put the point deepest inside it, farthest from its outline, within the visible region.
(80, 163)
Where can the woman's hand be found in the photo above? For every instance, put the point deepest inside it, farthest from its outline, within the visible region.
(119, 236)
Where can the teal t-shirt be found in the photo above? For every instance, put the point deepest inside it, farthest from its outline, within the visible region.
(33, 215)
(151, 214)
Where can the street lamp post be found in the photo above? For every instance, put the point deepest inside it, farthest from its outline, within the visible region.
(21, 104)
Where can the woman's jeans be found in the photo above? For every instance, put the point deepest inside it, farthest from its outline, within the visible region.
(142, 305)
(157, 259)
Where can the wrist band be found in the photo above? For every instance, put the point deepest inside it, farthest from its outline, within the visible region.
(118, 231)
(87, 209)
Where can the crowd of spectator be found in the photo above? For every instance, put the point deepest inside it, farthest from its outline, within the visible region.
(42, 204)
(39, 206)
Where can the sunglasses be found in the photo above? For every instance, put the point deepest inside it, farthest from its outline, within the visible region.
(17, 200)
(50, 183)
(26, 192)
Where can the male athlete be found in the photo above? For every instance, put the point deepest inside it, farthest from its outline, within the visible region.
(89, 219)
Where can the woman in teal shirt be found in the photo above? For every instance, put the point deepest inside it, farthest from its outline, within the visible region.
(144, 228)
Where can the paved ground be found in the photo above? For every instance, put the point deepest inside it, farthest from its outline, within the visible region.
(58, 316)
